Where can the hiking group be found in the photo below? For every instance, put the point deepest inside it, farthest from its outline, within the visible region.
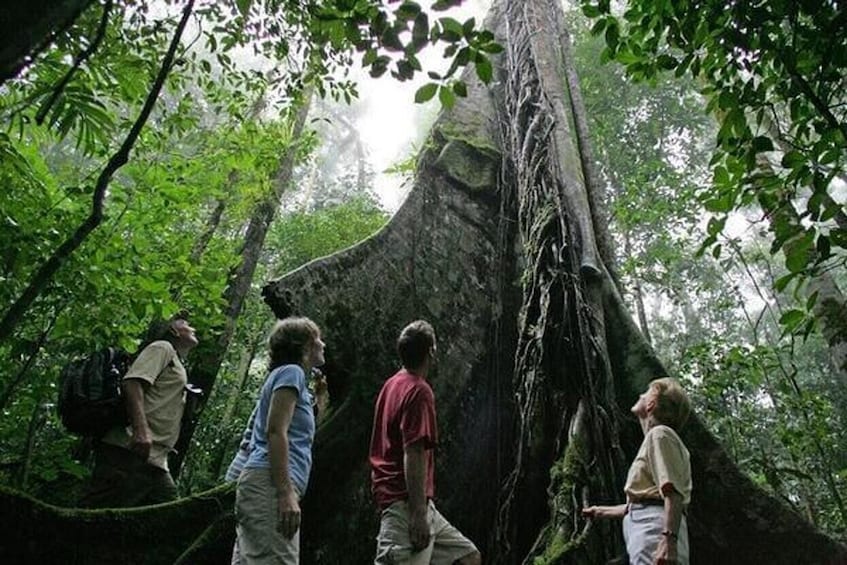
(274, 457)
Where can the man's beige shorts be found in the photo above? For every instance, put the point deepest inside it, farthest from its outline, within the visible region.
(394, 546)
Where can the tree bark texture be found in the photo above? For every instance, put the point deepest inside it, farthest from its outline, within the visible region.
(27, 27)
(584, 454)
(575, 359)
(445, 256)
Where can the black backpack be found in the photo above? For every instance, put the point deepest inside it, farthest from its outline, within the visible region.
(90, 397)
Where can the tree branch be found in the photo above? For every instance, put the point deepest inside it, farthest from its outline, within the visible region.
(44, 275)
(78, 61)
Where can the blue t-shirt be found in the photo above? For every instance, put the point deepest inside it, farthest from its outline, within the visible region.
(301, 431)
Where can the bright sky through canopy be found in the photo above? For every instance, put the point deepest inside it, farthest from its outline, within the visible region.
(393, 127)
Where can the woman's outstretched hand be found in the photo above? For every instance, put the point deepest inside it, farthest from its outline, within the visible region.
(604, 512)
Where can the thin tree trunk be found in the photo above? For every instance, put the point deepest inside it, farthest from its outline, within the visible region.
(638, 294)
(214, 220)
(16, 381)
(44, 275)
(361, 157)
(36, 422)
(242, 376)
(204, 373)
(211, 226)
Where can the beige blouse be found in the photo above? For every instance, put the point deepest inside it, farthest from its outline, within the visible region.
(661, 466)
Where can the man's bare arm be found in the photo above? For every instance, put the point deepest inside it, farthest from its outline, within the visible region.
(414, 467)
(142, 437)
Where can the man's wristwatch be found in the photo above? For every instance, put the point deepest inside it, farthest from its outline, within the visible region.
(670, 534)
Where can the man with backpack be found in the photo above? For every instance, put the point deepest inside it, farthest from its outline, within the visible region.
(131, 462)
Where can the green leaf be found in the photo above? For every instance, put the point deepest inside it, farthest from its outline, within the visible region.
(824, 248)
(721, 204)
(492, 47)
(446, 96)
(812, 300)
(379, 66)
(612, 34)
(790, 319)
(468, 28)
(408, 10)
(762, 143)
(599, 26)
(452, 29)
(666, 62)
(798, 252)
(715, 225)
(782, 282)
(460, 89)
(420, 31)
(721, 176)
(426, 92)
(369, 57)
(484, 70)
(243, 6)
(391, 39)
(793, 159)
(442, 5)
(591, 11)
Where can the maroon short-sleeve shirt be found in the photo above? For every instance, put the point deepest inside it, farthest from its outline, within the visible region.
(404, 414)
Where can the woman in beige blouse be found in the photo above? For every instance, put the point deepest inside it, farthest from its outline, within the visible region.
(658, 486)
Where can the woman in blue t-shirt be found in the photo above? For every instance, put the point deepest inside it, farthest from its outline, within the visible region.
(267, 501)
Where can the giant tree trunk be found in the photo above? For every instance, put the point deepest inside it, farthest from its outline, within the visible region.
(447, 255)
(533, 382)
(538, 363)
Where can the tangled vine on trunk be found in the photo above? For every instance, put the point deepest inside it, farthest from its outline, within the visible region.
(562, 372)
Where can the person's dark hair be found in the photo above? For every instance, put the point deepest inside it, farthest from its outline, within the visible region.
(160, 329)
(414, 343)
(288, 341)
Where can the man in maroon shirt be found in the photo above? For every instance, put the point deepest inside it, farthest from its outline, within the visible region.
(404, 436)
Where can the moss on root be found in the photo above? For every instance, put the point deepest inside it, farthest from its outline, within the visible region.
(558, 539)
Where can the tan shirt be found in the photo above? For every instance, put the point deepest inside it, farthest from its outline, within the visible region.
(662, 463)
(164, 375)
